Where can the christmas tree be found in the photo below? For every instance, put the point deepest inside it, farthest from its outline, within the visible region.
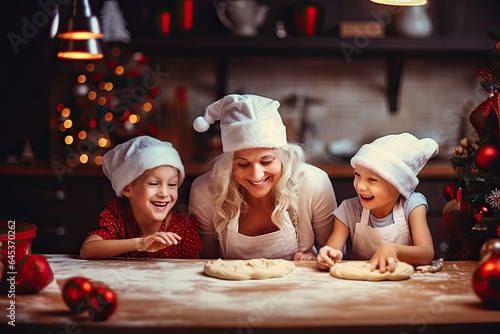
(112, 100)
(473, 216)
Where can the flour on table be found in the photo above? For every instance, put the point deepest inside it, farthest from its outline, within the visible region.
(248, 269)
(360, 270)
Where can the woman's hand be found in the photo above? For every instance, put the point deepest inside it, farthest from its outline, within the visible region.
(327, 256)
(159, 240)
(384, 259)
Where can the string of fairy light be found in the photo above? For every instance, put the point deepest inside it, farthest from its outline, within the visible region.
(90, 127)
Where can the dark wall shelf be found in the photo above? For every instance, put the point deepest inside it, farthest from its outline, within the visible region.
(394, 49)
(459, 33)
(214, 45)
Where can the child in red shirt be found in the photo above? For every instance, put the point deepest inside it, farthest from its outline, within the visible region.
(145, 174)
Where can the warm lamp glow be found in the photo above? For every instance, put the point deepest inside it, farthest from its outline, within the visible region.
(82, 135)
(102, 142)
(147, 107)
(65, 112)
(108, 86)
(68, 123)
(108, 116)
(119, 70)
(78, 55)
(80, 49)
(401, 2)
(134, 118)
(84, 158)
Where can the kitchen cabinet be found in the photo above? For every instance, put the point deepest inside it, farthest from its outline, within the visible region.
(64, 207)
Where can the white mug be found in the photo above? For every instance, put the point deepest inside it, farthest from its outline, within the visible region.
(242, 17)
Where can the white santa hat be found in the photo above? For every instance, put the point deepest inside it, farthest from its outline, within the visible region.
(127, 161)
(397, 159)
(246, 121)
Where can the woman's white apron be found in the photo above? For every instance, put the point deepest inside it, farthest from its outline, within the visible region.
(282, 244)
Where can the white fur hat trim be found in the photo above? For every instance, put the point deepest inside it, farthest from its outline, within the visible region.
(127, 161)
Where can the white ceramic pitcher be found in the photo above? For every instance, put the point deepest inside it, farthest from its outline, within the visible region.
(242, 17)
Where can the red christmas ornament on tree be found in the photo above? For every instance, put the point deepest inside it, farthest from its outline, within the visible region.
(485, 118)
(486, 156)
(449, 190)
(458, 221)
(76, 292)
(486, 279)
(102, 303)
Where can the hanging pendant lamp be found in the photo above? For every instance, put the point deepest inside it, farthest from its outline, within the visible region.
(401, 2)
(80, 22)
(79, 32)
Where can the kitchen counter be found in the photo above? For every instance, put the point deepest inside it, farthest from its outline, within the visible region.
(175, 296)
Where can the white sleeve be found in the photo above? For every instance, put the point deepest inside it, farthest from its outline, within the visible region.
(200, 207)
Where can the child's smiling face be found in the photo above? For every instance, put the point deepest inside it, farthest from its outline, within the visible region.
(374, 192)
(153, 194)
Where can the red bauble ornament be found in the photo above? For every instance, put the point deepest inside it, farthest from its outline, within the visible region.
(140, 58)
(480, 212)
(489, 248)
(75, 293)
(449, 190)
(134, 72)
(486, 280)
(486, 156)
(33, 274)
(485, 118)
(102, 303)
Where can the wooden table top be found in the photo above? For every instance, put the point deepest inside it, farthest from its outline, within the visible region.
(175, 296)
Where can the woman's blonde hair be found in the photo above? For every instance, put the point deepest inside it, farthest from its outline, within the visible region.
(229, 198)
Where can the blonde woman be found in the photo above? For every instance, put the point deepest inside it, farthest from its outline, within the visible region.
(260, 198)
